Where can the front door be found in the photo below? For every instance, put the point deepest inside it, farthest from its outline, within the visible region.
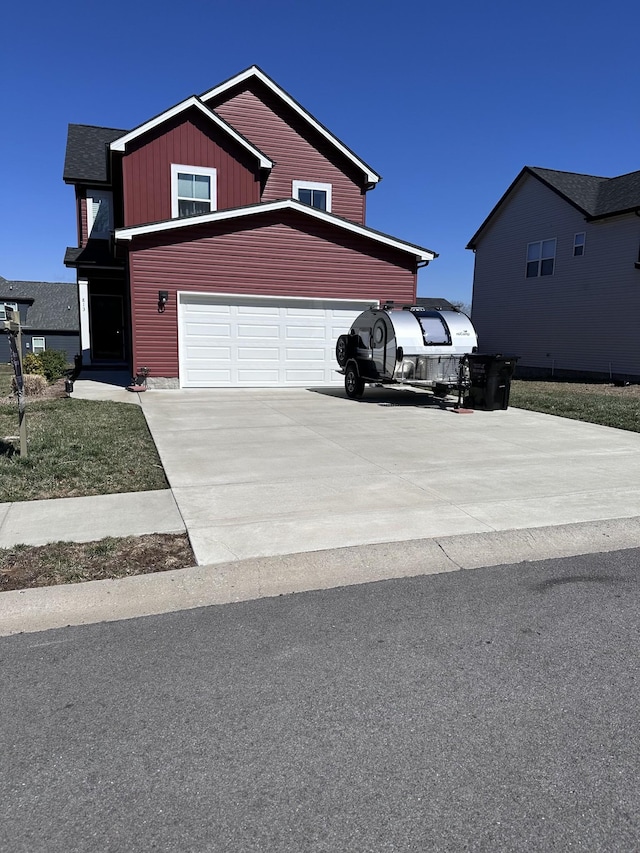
(107, 327)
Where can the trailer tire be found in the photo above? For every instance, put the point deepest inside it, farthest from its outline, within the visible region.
(353, 383)
(342, 350)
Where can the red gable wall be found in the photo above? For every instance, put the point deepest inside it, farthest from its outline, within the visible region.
(299, 152)
(283, 254)
(188, 140)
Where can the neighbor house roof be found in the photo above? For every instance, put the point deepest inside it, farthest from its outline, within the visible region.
(53, 304)
(86, 156)
(419, 252)
(434, 303)
(594, 196)
(255, 73)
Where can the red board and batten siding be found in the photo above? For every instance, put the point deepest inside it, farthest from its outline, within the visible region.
(298, 152)
(272, 258)
(188, 141)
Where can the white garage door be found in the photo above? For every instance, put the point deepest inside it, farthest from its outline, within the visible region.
(235, 341)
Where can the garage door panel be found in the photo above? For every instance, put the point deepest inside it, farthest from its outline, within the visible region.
(267, 342)
(255, 354)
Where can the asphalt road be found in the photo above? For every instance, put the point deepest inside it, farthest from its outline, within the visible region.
(485, 710)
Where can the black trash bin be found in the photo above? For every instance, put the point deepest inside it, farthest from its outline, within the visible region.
(490, 377)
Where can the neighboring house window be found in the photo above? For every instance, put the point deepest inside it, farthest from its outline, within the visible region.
(4, 305)
(541, 258)
(314, 194)
(99, 214)
(37, 345)
(578, 245)
(193, 191)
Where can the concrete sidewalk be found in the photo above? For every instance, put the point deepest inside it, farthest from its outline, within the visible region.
(286, 490)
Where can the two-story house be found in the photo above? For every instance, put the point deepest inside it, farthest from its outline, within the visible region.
(48, 314)
(557, 275)
(223, 242)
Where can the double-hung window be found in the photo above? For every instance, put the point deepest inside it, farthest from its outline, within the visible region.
(578, 244)
(4, 305)
(541, 258)
(193, 191)
(99, 214)
(314, 194)
(38, 345)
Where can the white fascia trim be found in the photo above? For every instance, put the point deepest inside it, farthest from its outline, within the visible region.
(268, 207)
(371, 176)
(121, 143)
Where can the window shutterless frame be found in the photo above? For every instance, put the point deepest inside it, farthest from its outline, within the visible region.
(579, 242)
(313, 193)
(541, 258)
(193, 190)
(38, 345)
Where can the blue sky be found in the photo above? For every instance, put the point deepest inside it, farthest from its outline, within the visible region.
(447, 101)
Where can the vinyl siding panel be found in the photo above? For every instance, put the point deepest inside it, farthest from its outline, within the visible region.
(298, 152)
(285, 256)
(581, 318)
(69, 343)
(188, 140)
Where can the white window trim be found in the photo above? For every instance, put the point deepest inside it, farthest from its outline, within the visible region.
(192, 170)
(311, 185)
(41, 347)
(583, 244)
(3, 313)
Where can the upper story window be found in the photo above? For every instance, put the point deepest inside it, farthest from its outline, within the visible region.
(4, 305)
(193, 191)
(314, 194)
(578, 244)
(99, 214)
(541, 258)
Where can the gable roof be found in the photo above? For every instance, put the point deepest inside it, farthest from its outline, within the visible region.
(53, 304)
(256, 73)
(419, 252)
(594, 196)
(86, 155)
(192, 102)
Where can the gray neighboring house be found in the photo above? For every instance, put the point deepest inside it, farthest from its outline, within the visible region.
(48, 314)
(557, 275)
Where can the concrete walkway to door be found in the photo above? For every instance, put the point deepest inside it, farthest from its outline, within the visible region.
(259, 473)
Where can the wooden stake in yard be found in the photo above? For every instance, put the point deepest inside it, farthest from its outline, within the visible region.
(14, 332)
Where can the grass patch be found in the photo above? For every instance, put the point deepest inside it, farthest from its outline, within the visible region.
(75, 448)
(6, 374)
(26, 567)
(596, 404)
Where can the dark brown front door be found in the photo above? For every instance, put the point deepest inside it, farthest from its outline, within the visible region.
(107, 327)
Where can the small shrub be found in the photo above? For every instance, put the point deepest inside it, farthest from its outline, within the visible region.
(34, 384)
(54, 364)
(31, 363)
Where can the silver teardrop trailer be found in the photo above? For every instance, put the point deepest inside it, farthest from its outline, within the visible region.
(422, 347)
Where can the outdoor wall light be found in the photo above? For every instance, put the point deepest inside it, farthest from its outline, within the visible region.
(163, 298)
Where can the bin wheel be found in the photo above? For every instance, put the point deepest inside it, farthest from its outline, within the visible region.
(342, 346)
(353, 384)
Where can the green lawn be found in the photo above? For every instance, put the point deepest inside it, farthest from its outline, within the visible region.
(596, 404)
(77, 447)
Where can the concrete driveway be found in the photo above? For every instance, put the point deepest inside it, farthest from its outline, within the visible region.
(259, 473)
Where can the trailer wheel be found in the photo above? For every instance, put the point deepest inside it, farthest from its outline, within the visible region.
(342, 350)
(353, 384)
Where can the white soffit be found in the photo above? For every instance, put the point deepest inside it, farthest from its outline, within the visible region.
(121, 143)
(370, 176)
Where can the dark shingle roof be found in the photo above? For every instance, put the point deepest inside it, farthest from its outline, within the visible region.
(86, 155)
(95, 254)
(434, 303)
(54, 304)
(595, 196)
